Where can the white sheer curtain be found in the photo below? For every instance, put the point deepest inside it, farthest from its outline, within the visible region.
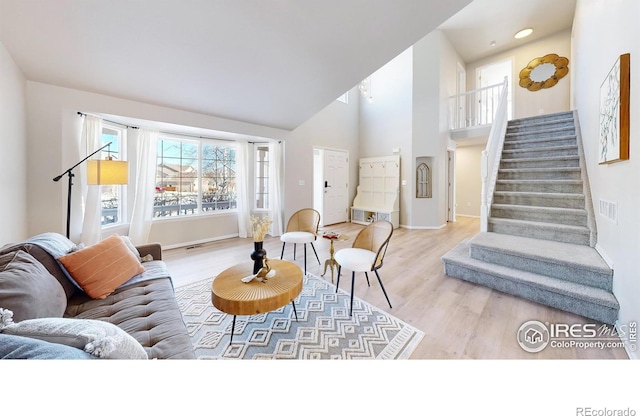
(92, 222)
(243, 199)
(146, 143)
(276, 175)
(70, 158)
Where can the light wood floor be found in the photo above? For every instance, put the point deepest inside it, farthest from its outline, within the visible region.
(459, 319)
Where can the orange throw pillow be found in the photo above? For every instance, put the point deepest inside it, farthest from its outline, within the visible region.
(99, 269)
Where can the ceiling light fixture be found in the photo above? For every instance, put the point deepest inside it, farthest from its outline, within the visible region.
(365, 89)
(523, 33)
(492, 43)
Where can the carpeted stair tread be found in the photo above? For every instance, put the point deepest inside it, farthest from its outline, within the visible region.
(579, 256)
(559, 169)
(513, 153)
(542, 209)
(460, 254)
(543, 225)
(568, 172)
(541, 181)
(537, 185)
(568, 115)
(533, 159)
(539, 134)
(541, 122)
(567, 233)
(533, 145)
(551, 214)
(547, 195)
(538, 140)
(591, 302)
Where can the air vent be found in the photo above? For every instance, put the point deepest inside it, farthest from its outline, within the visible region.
(609, 210)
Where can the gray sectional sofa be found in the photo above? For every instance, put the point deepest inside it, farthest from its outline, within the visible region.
(35, 285)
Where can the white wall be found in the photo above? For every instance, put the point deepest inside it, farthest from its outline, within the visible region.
(13, 159)
(426, 143)
(434, 74)
(52, 123)
(410, 112)
(468, 182)
(334, 127)
(386, 123)
(532, 103)
(602, 31)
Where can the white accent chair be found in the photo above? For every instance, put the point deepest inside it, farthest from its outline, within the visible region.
(302, 228)
(366, 254)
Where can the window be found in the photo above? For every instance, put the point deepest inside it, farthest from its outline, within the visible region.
(194, 176)
(262, 177)
(112, 196)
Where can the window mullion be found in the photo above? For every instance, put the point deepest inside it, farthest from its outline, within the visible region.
(199, 179)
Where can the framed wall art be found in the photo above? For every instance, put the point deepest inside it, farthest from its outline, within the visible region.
(614, 113)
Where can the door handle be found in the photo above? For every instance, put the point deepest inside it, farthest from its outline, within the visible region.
(326, 184)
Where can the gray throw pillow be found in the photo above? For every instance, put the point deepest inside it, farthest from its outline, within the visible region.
(28, 289)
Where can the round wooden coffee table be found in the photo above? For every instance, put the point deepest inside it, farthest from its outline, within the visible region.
(231, 295)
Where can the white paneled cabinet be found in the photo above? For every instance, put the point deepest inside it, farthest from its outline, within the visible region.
(378, 193)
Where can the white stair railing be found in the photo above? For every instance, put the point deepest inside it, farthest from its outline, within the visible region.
(490, 158)
(475, 108)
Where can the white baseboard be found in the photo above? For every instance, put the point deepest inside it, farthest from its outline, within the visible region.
(413, 227)
(604, 256)
(197, 242)
(468, 216)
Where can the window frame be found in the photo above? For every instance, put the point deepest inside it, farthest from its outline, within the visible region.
(200, 142)
(261, 176)
(119, 154)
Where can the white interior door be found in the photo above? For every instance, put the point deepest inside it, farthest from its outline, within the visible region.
(335, 184)
(451, 204)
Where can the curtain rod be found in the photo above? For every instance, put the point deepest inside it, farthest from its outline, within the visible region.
(111, 121)
(177, 134)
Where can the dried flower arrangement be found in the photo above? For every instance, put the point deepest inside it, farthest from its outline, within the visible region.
(260, 227)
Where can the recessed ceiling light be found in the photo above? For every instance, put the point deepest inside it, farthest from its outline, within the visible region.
(523, 33)
(493, 43)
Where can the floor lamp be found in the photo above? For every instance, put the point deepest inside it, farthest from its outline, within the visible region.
(99, 172)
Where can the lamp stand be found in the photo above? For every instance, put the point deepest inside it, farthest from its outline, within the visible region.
(70, 174)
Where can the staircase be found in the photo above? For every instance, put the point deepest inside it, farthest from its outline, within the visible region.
(541, 228)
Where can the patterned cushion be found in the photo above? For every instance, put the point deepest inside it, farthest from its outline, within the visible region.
(99, 338)
(28, 289)
(99, 269)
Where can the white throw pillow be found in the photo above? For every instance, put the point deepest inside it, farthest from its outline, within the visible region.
(99, 338)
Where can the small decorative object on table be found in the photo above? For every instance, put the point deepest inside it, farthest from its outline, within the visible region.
(261, 269)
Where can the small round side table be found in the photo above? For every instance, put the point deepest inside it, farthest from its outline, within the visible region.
(331, 262)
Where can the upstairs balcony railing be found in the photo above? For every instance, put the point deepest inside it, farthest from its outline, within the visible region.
(477, 107)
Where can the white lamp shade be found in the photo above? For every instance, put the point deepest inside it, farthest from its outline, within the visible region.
(107, 172)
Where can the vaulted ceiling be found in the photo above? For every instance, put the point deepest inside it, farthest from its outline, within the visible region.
(269, 62)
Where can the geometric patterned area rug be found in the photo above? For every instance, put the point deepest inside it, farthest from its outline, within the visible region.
(323, 330)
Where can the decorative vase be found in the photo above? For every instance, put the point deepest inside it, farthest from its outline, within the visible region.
(258, 255)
